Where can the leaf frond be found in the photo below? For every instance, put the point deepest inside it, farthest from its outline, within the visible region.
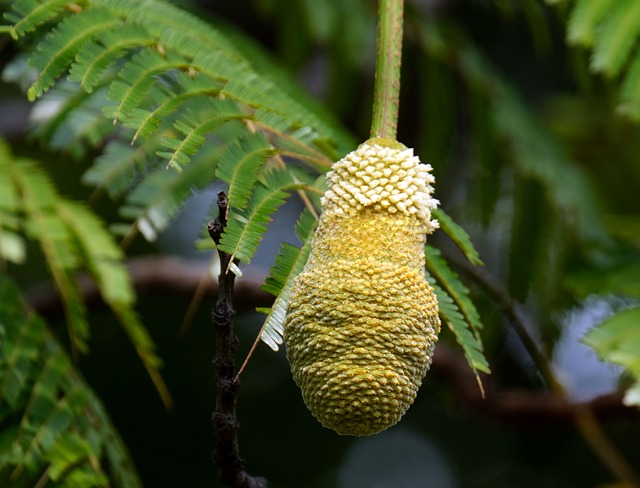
(40, 201)
(56, 52)
(457, 235)
(240, 164)
(245, 229)
(584, 20)
(159, 197)
(439, 268)
(195, 128)
(617, 340)
(61, 423)
(28, 15)
(94, 58)
(470, 345)
(72, 238)
(146, 121)
(136, 79)
(618, 34)
(288, 264)
(117, 167)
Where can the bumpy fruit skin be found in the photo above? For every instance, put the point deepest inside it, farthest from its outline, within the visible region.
(362, 321)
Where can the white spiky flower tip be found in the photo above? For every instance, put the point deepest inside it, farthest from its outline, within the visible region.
(383, 175)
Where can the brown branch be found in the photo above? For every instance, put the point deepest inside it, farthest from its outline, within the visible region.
(522, 407)
(153, 274)
(226, 454)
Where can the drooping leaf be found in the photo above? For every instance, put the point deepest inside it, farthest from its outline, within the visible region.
(72, 239)
(616, 37)
(27, 15)
(457, 235)
(245, 229)
(54, 54)
(43, 224)
(584, 20)
(94, 58)
(194, 128)
(438, 267)
(239, 167)
(61, 423)
(456, 322)
(617, 340)
(288, 264)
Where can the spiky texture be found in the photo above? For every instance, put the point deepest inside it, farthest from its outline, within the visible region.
(362, 321)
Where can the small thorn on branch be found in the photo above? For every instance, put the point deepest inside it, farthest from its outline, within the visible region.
(226, 453)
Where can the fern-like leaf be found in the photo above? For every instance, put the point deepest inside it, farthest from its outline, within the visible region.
(245, 229)
(584, 20)
(457, 309)
(94, 58)
(157, 199)
(456, 322)
(457, 235)
(439, 268)
(117, 167)
(136, 79)
(611, 29)
(72, 238)
(56, 52)
(617, 36)
(62, 426)
(104, 260)
(12, 246)
(40, 200)
(166, 102)
(239, 167)
(289, 263)
(195, 128)
(27, 15)
(617, 340)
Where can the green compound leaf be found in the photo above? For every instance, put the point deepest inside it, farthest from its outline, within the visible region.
(289, 263)
(28, 15)
(73, 239)
(457, 235)
(456, 322)
(584, 20)
(245, 229)
(54, 54)
(617, 340)
(457, 309)
(95, 58)
(616, 37)
(57, 422)
(611, 29)
(43, 224)
(240, 164)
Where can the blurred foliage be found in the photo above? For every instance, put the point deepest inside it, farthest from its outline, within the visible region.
(527, 111)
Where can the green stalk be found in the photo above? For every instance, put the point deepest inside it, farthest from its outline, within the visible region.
(386, 95)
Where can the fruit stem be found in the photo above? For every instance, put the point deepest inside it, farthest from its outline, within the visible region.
(386, 95)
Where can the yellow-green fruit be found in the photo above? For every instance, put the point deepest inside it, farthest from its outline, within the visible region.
(362, 321)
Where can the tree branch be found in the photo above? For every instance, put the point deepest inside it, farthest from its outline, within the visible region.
(153, 274)
(226, 453)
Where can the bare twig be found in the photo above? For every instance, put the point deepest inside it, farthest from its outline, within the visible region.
(225, 423)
